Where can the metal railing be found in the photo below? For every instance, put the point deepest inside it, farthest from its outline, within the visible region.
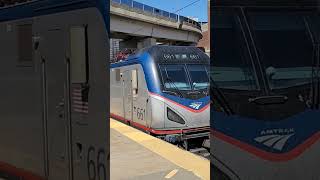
(157, 12)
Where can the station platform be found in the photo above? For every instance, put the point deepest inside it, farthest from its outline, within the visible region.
(136, 155)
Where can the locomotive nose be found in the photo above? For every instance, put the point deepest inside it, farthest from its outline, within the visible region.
(179, 117)
(199, 119)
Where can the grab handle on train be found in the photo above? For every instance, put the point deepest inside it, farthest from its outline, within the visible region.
(265, 100)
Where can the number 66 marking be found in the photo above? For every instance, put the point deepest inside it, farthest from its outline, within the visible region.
(91, 164)
(141, 113)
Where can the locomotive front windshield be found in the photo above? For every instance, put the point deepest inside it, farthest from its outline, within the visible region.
(184, 77)
(198, 76)
(175, 77)
(286, 43)
(270, 52)
(231, 67)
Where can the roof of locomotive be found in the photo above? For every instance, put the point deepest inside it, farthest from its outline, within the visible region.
(165, 54)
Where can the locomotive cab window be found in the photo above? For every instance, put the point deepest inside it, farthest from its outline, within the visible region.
(232, 67)
(118, 75)
(134, 76)
(198, 76)
(25, 49)
(79, 56)
(175, 77)
(286, 46)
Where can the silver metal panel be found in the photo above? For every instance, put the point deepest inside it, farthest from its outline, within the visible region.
(192, 119)
(39, 95)
(136, 108)
(158, 113)
(21, 130)
(52, 49)
(127, 98)
(116, 94)
(141, 101)
(301, 167)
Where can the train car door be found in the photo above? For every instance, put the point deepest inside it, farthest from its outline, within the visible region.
(54, 68)
(127, 98)
(71, 50)
(139, 99)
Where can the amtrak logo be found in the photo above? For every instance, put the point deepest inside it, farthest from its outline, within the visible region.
(275, 138)
(196, 105)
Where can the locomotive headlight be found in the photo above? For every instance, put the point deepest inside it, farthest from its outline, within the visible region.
(172, 116)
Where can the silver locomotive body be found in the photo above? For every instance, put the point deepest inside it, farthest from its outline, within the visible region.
(52, 107)
(140, 98)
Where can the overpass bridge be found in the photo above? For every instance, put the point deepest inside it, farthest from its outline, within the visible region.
(140, 25)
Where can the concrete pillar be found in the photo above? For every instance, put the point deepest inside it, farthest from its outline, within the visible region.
(146, 42)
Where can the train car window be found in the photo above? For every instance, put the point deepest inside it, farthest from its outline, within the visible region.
(79, 58)
(231, 67)
(175, 77)
(199, 77)
(118, 75)
(285, 45)
(25, 49)
(315, 27)
(134, 76)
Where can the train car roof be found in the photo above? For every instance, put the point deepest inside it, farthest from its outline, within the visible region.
(16, 9)
(163, 54)
(265, 3)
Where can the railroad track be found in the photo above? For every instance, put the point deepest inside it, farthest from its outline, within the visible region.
(200, 151)
(196, 148)
(203, 152)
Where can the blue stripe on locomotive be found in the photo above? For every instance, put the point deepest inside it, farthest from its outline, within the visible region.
(152, 80)
(304, 124)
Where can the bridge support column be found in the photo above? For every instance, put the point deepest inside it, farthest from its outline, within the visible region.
(147, 42)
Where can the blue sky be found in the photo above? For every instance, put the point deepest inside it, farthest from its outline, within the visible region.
(198, 10)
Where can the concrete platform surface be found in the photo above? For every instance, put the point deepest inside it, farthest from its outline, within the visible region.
(138, 156)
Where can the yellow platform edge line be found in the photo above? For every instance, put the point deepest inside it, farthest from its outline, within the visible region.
(184, 159)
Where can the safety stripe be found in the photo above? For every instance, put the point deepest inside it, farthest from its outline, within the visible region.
(180, 105)
(268, 155)
(158, 132)
(18, 172)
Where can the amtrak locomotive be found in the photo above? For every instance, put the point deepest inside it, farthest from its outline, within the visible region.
(163, 90)
(266, 82)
